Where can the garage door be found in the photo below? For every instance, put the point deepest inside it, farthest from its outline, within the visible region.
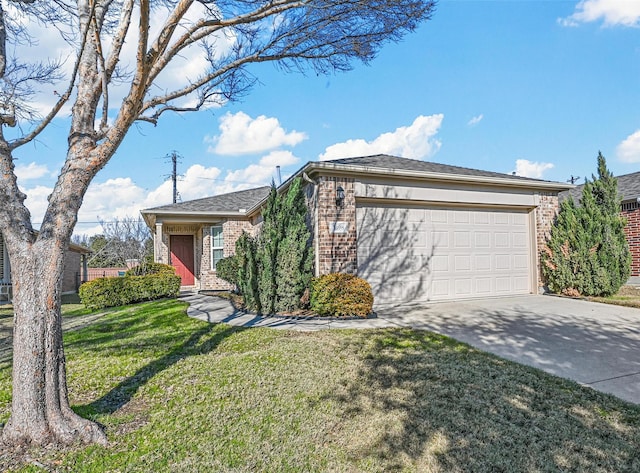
(411, 254)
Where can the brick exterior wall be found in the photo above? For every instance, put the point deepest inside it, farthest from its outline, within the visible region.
(546, 212)
(231, 231)
(632, 230)
(205, 276)
(337, 252)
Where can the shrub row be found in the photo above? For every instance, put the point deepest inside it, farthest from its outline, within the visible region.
(340, 294)
(112, 292)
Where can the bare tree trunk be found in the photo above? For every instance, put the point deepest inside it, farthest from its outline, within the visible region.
(41, 416)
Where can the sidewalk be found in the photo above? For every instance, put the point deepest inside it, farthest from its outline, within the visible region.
(217, 310)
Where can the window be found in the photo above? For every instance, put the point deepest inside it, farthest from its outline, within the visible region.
(217, 245)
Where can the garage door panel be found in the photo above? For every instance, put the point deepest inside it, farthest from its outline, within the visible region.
(482, 262)
(419, 254)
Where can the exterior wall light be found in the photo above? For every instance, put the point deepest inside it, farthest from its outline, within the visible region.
(339, 196)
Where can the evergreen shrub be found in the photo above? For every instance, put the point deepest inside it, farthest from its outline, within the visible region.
(587, 252)
(113, 292)
(150, 268)
(341, 294)
(227, 269)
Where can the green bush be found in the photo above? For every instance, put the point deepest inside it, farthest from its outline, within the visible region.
(150, 268)
(587, 252)
(112, 292)
(227, 269)
(340, 294)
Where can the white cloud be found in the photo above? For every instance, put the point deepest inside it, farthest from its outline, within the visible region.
(31, 171)
(629, 150)
(526, 168)
(241, 134)
(37, 202)
(611, 12)
(263, 172)
(475, 120)
(415, 141)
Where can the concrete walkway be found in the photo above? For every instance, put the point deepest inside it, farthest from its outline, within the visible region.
(75, 322)
(597, 345)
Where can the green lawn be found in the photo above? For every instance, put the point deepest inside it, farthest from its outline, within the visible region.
(179, 395)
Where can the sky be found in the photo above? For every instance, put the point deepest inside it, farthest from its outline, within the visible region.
(532, 87)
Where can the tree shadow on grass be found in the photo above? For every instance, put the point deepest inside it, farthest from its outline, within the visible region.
(200, 342)
(429, 403)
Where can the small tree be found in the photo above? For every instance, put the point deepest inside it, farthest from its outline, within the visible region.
(248, 271)
(267, 250)
(274, 269)
(295, 254)
(587, 252)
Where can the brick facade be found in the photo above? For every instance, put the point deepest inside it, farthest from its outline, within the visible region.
(337, 252)
(546, 211)
(205, 275)
(231, 231)
(632, 230)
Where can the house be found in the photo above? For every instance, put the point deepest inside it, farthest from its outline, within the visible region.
(629, 190)
(415, 230)
(75, 270)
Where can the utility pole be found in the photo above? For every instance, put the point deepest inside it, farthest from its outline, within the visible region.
(573, 179)
(174, 176)
(175, 157)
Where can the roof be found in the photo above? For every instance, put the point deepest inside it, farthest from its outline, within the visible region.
(628, 188)
(231, 203)
(393, 162)
(245, 203)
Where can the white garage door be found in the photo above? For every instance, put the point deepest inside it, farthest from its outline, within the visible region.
(420, 254)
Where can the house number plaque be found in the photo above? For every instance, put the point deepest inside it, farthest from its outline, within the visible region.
(338, 227)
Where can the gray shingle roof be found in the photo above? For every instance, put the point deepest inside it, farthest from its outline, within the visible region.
(223, 203)
(393, 162)
(628, 188)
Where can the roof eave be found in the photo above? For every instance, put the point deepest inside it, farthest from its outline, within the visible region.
(437, 176)
(150, 215)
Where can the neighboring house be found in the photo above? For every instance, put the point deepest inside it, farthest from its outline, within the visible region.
(629, 190)
(75, 269)
(417, 231)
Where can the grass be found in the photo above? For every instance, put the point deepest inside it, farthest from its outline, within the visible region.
(177, 394)
(628, 296)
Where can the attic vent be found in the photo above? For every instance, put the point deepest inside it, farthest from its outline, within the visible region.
(633, 205)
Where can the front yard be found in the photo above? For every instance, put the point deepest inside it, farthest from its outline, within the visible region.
(176, 394)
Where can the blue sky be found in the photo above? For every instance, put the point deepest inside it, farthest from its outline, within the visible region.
(536, 87)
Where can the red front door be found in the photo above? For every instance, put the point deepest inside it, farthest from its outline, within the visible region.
(182, 258)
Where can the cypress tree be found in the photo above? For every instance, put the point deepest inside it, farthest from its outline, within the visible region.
(267, 251)
(587, 252)
(295, 255)
(248, 271)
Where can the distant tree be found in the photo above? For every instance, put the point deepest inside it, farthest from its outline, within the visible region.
(128, 240)
(322, 35)
(587, 252)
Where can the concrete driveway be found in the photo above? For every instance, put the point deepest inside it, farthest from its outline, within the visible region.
(597, 345)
